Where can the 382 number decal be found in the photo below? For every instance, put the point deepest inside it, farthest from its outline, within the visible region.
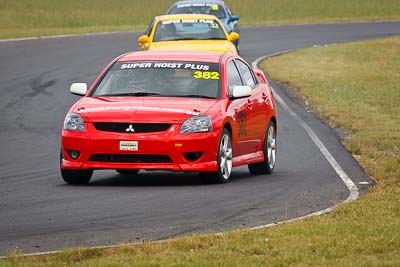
(207, 75)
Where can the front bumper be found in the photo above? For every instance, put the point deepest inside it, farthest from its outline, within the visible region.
(101, 150)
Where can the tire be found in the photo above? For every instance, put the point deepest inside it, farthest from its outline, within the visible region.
(224, 161)
(76, 176)
(127, 171)
(72, 176)
(269, 149)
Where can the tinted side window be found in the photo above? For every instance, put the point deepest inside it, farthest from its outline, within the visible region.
(148, 31)
(228, 11)
(233, 76)
(246, 73)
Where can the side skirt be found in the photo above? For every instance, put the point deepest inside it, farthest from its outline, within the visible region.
(248, 158)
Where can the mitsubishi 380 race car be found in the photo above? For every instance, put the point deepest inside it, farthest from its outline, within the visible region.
(179, 111)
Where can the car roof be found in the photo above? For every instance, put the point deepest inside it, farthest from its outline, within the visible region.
(185, 16)
(196, 56)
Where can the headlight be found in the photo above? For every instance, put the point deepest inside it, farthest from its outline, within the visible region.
(74, 122)
(197, 124)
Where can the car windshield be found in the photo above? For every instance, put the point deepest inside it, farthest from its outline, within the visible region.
(161, 79)
(195, 29)
(199, 8)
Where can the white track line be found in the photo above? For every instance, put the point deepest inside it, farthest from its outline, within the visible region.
(335, 165)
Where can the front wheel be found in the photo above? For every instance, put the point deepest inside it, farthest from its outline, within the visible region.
(75, 176)
(269, 149)
(224, 161)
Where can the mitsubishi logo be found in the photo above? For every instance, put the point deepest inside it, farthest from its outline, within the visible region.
(130, 128)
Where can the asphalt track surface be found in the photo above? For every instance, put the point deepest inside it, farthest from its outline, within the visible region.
(39, 212)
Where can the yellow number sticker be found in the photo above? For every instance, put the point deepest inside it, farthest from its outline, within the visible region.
(213, 75)
(197, 75)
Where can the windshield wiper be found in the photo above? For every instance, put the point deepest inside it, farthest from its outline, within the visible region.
(215, 38)
(135, 94)
(194, 96)
(206, 38)
(182, 39)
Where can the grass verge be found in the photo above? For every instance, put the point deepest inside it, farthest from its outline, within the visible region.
(352, 85)
(27, 18)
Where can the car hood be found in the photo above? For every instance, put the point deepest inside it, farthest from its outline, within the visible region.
(141, 109)
(204, 45)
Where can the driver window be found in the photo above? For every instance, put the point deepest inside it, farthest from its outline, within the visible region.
(228, 11)
(233, 76)
(148, 31)
(248, 77)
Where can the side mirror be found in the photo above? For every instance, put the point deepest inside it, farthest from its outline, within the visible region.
(234, 18)
(144, 42)
(233, 36)
(260, 75)
(240, 91)
(78, 89)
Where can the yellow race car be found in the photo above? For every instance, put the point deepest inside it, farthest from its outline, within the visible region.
(188, 32)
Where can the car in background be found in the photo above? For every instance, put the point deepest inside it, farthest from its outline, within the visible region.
(212, 7)
(184, 111)
(187, 32)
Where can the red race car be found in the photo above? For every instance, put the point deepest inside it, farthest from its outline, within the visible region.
(179, 111)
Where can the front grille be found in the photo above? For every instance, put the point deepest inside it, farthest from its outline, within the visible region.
(134, 158)
(135, 128)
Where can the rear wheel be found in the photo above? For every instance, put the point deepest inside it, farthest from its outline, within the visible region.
(269, 149)
(224, 161)
(127, 171)
(73, 176)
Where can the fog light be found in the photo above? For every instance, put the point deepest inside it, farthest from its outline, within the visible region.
(192, 156)
(73, 153)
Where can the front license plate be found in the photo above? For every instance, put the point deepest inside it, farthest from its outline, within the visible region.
(128, 145)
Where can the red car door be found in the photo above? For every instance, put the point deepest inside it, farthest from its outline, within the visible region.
(255, 105)
(243, 132)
